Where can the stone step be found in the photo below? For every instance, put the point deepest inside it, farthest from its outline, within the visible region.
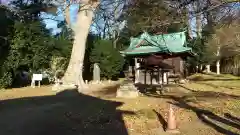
(127, 90)
(127, 94)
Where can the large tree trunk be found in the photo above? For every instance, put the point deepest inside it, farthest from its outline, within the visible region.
(218, 66)
(208, 67)
(218, 61)
(73, 74)
(198, 20)
(189, 24)
(209, 27)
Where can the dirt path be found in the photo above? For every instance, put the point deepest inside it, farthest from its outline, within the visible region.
(41, 111)
(64, 113)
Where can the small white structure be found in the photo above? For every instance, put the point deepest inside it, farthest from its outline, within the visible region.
(36, 77)
(208, 68)
(137, 71)
(165, 78)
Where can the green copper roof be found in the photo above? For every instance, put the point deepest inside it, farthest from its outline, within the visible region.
(165, 43)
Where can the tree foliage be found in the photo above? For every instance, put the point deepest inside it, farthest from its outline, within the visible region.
(6, 31)
(28, 45)
(109, 59)
(153, 16)
(226, 38)
(32, 49)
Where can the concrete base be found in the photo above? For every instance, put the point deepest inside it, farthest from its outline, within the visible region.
(127, 94)
(127, 90)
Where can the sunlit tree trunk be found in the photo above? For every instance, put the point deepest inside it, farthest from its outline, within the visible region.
(137, 71)
(199, 25)
(209, 28)
(218, 61)
(197, 8)
(73, 74)
(208, 68)
(189, 25)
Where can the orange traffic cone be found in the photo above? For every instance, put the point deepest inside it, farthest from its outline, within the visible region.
(171, 124)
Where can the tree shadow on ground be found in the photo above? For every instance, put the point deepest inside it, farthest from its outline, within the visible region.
(209, 94)
(153, 88)
(209, 117)
(161, 120)
(147, 88)
(66, 113)
(106, 91)
(233, 118)
(206, 116)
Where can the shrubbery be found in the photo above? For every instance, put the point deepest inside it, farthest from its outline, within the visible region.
(109, 59)
(32, 49)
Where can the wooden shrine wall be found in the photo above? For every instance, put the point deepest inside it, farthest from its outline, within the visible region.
(178, 64)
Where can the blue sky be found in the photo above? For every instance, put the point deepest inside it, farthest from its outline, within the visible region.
(52, 21)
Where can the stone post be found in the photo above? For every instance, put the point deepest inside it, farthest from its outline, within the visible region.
(137, 71)
(164, 77)
(208, 68)
(218, 67)
(218, 61)
(96, 73)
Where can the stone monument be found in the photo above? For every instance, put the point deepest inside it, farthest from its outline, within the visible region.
(127, 90)
(96, 73)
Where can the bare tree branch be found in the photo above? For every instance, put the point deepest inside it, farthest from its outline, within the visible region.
(67, 13)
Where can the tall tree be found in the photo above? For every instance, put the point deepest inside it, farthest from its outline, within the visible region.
(84, 19)
(73, 74)
(153, 16)
(224, 42)
(6, 26)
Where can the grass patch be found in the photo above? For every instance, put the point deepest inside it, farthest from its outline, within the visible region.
(147, 113)
(212, 77)
(222, 83)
